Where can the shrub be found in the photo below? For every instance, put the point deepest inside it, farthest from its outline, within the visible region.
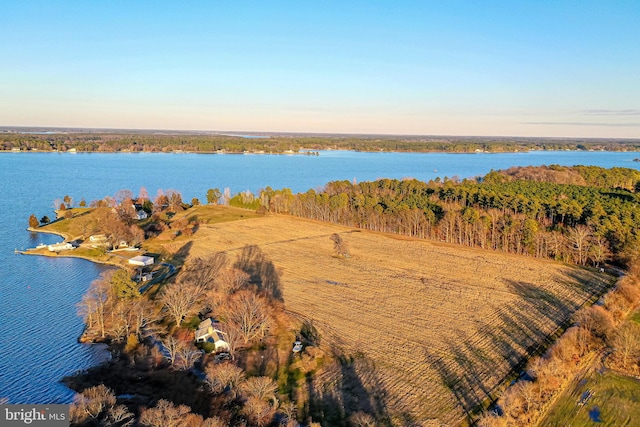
(207, 347)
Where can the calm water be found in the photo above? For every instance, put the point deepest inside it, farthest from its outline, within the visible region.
(38, 322)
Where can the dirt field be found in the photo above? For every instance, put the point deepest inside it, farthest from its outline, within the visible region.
(425, 330)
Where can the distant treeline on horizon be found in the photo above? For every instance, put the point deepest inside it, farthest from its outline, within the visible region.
(85, 140)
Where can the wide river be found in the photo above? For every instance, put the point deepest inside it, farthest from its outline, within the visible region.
(38, 295)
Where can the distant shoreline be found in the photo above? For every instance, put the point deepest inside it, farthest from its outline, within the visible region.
(50, 140)
(318, 152)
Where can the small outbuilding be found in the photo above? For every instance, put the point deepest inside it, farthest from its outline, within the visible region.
(141, 260)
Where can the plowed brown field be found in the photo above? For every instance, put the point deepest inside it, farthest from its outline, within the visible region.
(433, 328)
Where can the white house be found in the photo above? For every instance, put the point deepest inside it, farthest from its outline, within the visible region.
(210, 332)
(59, 247)
(141, 260)
(141, 214)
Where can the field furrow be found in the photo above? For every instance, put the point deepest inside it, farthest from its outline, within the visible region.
(422, 330)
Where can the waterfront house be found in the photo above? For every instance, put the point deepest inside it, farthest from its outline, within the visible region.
(59, 247)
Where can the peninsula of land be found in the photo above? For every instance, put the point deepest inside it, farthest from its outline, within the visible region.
(353, 304)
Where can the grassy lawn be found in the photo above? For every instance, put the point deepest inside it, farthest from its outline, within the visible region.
(214, 214)
(206, 216)
(615, 401)
(70, 227)
(635, 317)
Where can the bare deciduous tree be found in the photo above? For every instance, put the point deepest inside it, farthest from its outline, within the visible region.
(166, 414)
(187, 357)
(126, 211)
(175, 200)
(172, 346)
(94, 303)
(526, 390)
(119, 416)
(288, 411)
(224, 375)
(92, 403)
(580, 239)
(362, 419)
(214, 422)
(597, 320)
(248, 313)
(179, 299)
(339, 245)
(626, 343)
(142, 318)
(599, 250)
(123, 195)
(263, 388)
(232, 280)
(258, 411)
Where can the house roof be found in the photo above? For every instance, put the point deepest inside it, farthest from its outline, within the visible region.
(212, 329)
(218, 335)
(205, 323)
(202, 332)
(141, 260)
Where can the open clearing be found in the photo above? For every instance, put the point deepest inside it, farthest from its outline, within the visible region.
(422, 330)
(606, 399)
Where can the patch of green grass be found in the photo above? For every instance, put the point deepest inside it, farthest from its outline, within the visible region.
(615, 401)
(215, 214)
(89, 252)
(62, 226)
(635, 317)
(71, 226)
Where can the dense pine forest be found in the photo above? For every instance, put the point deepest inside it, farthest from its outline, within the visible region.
(583, 214)
(208, 142)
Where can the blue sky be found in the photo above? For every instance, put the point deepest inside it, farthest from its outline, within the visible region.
(518, 68)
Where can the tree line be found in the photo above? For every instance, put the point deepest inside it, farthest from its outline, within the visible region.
(588, 223)
(583, 214)
(211, 143)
